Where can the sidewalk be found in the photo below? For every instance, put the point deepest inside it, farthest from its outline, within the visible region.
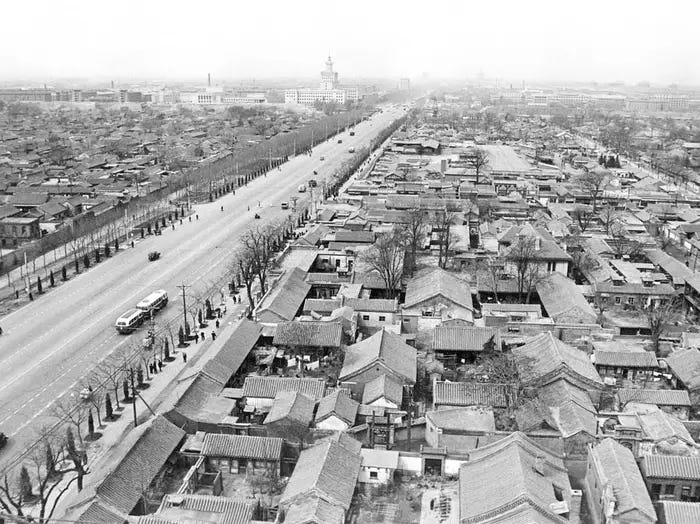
(102, 455)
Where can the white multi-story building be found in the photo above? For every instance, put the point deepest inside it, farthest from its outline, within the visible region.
(329, 90)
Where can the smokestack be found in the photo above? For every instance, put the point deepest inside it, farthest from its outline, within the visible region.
(209, 79)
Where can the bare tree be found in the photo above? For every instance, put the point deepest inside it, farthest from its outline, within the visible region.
(582, 216)
(593, 182)
(112, 374)
(582, 259)
(609, 216)
(660, 318)
(259, 243)
(386, 257)
(522, 256)
(479, 159)
(245, 266)
(444, 219)
(495, 268)
(414, 230)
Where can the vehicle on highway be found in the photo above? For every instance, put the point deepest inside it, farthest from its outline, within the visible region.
(315, 173)
(3, 440)
(153, 256)
(312, 183)
(301, 188)
(352, 133)
(129, 321)
(257, 216)
(340, 141)
(323, 158)
(284, 205)
(351, 150)
(153, 302)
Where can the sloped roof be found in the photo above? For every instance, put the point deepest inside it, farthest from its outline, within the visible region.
(675, 512)
(293, 406)
(192, 508)
(678, 271)
(122, 487)
(339, 404)
(314, 509)
(233, 352)
(470, 394)
(99, 512)
(379, 305)
(268, 387)
(285, 299)
(438, 282)
(197, 394)
(685, 364)
(385, 347)
(620, 469)
(563, 300)
(627, 359)
(308, 334)
(672, 466)
(242, 446)
(383, 386)
(466, 338)
(659, 397)
(658, 425)
(329, 470)
(501, 478)
(544, 354)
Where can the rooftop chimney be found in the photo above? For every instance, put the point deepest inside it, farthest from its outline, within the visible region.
(208, 79)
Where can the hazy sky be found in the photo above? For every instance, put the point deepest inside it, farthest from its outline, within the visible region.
(538, 39)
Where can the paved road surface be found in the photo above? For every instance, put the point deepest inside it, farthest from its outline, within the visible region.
(50, 344)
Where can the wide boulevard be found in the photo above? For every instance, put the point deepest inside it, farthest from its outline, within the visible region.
(51, 344)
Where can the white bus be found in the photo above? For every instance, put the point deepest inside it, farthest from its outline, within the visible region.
(153, 302)
(129, 321)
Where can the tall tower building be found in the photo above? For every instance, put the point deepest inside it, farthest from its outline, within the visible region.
(329, 78)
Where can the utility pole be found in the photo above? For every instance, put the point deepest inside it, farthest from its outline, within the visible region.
(269, 153)
(183, 287)
(312, 138)
(133, 395)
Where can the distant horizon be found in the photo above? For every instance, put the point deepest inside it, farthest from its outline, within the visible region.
(541, 41)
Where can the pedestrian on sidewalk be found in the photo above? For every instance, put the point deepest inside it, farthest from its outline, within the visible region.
(197, 217)
(190, 218)
(173, 224)
(184, 357)
(160, 365)
(132, 243)
(180, 221)
(248, 208)
(222, 209)
(217, 323)
(213, 335)
(203, 336)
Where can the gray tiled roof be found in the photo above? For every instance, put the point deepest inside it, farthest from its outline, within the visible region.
(620, 469)
(241, 446)
(466, 338)
(438, 282)
(470, 394)
(626, 359)
(383, 386)
(234, 351)
(268, 387)
(328, 469)
(314, 509)
(660, 397)
(98, 512)
(379, 305)
(382, 346)
(308, 334)
(672, 467)
(339, 404)
(563, 300)
(544, 354)
(122, 487)
(227, 510)
(685, 364)
(679, 512)
(292, 406)
(285, 299)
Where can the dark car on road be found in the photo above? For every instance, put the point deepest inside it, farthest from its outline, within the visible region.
(3, 440)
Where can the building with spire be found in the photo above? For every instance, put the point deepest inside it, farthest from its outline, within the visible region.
(328, 91)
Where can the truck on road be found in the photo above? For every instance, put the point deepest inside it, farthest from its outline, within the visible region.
(302, 188)
(351, 150)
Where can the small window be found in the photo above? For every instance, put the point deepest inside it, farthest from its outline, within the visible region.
(618, 300)
(630, 300)
(365, 317)
(685, 493)
(373, 475)
(382, 318)
(406, 320)
(669, 489)
(655, 491)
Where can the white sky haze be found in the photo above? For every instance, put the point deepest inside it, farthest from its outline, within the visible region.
(537, 40)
